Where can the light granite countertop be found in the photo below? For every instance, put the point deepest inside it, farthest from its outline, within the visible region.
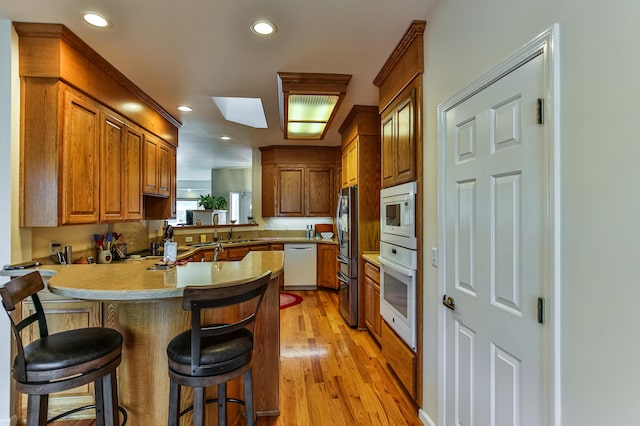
(372, 257)
(133, 281)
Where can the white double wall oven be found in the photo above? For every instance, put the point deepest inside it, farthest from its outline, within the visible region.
(398, 260)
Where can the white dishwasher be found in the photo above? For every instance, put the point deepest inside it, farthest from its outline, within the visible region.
(300, 266)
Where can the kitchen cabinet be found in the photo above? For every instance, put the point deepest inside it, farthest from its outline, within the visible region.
(399, 140)
(350, 164)
(400, 97)
(361, 142)
(133, 174)
(299, 181)
(113, 171)
(372, 317)
(77, 162)
(62, 315)
(80, 159)
(327, 266)
(157, 166)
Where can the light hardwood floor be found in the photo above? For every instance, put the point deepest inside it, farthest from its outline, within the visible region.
(330, 374)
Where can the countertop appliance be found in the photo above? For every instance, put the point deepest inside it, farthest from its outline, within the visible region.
(347, 227)
(300, 266)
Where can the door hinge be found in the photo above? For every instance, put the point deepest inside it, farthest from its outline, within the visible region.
(540, 111)
(540, 310)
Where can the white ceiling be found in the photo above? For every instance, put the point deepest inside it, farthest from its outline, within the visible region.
(185, 52)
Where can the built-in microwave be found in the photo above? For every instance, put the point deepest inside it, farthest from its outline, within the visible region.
(398, 215)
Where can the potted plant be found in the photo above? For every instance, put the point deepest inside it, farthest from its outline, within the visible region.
(219, 203)
(206, 202)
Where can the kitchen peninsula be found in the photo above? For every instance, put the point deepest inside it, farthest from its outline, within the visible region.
(145, 306)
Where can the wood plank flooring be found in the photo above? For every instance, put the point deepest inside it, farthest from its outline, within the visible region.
(330, 374)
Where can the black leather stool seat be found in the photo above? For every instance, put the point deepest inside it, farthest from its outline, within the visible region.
(220, 354)
(69, 348)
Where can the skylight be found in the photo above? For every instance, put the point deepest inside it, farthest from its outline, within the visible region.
(247, 111)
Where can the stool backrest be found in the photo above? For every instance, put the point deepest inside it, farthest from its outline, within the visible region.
(200, 298)
(14, 292)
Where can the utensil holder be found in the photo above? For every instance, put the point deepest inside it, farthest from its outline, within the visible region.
(105, 256)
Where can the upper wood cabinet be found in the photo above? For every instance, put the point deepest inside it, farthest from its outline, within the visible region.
(81, 159)
(399, 140)
(299, 181)
(158, 157)
(400, 105)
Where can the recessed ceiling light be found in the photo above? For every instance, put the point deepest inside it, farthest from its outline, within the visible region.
(263, 27)
(225, 138)
(97, 20)
(185, 108)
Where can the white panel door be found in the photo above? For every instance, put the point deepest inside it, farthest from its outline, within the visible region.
(496, 205)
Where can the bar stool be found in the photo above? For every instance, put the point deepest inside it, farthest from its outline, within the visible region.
(61, 361)
(214, 354)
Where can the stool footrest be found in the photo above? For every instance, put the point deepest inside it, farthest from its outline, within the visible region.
(209, 401)
(125, 416)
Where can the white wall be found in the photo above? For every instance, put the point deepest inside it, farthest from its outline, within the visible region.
(8, 140)
(600, 177)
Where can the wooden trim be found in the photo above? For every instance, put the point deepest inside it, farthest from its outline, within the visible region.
(299, 154)
(404, 64)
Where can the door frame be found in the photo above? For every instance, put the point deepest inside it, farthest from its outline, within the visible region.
(547, 44)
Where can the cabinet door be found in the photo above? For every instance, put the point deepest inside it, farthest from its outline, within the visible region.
(151, 154)
(80, 160)
(368, 303)
(353, 163)
(236, 253)
(345, 169)
(133, 174)
(164, 169)
(327, 266)
(388, 147)
(173, 163)
(405, 154)
(319, 192)
(112, 169)
(290, 191)
(269, 189)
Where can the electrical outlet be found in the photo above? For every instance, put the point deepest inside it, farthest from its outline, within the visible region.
(188, 239)
(55, 247)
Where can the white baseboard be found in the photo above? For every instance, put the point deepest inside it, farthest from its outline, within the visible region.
(425, 419)
(9, 422)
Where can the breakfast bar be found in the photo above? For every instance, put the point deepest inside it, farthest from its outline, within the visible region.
(145, 306)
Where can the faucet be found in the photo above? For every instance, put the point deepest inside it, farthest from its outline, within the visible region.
(231, 233)
(217, 248)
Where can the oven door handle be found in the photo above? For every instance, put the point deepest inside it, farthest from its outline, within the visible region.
(397, 268)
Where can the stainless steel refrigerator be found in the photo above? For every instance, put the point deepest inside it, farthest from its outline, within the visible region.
(347, 226)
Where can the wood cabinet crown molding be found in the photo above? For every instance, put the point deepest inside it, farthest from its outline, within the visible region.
(403, 65)
(54, 51)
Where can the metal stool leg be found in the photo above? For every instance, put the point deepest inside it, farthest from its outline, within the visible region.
(37, 407)
(199, 407)
(222, 404)
(248, 398)
(174, 404)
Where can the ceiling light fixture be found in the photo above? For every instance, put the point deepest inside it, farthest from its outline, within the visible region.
(184, 108)
(308, 102)
(96, 19)
(263, 27)
(225, 138)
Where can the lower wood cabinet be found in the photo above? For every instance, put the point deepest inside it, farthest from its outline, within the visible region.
(327, 265)
(372, 317)
(63, 314)
(400, 358)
